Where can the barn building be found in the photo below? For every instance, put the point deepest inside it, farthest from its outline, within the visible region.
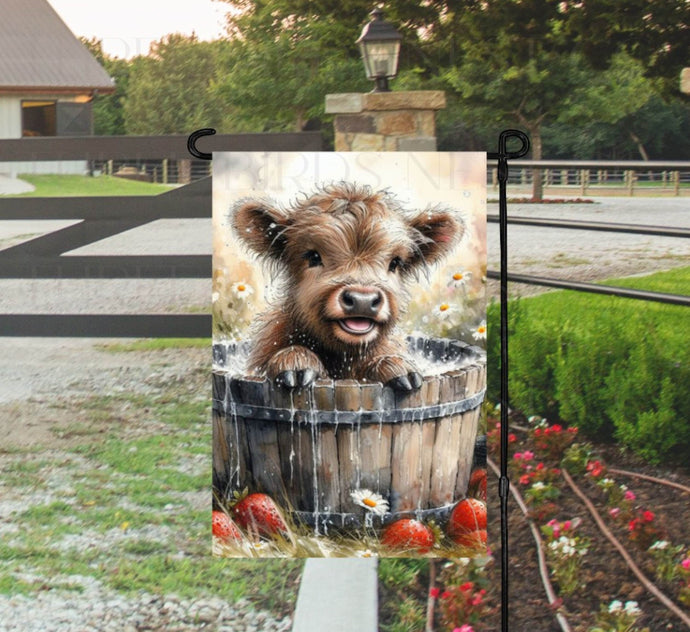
(48, 80)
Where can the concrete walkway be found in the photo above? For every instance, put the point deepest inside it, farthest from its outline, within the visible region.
(338, 595)
(14, 186)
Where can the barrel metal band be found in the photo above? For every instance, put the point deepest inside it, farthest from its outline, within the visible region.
(352, 417)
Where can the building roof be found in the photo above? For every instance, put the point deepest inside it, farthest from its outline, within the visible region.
(39, 52)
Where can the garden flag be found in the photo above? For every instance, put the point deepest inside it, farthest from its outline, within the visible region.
(349, 328)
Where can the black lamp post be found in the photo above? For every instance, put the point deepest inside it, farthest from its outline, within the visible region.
(379, 44)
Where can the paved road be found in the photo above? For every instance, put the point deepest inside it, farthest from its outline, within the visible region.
(592, 255)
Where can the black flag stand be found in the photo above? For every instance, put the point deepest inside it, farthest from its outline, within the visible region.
(502, 155)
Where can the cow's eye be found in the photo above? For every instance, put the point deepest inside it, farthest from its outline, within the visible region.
(313, 258)
(395, 264)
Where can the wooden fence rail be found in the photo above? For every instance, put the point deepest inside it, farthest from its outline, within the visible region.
(101, 217)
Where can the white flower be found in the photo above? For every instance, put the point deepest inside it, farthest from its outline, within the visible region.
(242, 289)
(375, 503)
(365, 553)
(538, 485)
(460, 278)
(632, 609)
(444, 311)
(480, 331)
(615, 606)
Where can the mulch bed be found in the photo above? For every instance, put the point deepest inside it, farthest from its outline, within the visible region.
(604, 574)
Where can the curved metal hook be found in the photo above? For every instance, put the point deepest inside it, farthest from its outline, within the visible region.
(502, 152)
(503, 155)
(191, 143)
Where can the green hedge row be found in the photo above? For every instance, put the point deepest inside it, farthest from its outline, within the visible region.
(617, 368)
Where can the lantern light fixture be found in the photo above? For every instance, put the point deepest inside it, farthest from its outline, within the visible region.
(379, 45)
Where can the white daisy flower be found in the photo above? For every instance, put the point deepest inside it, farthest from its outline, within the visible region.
(444, 311)
(480, 331)
(460, 278)
(365, 553)
(375, 503)
(242, 289)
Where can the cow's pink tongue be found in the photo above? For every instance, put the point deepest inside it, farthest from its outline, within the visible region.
(357, 324)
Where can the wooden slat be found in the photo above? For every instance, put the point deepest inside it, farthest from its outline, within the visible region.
(407, 446)
(446, 445)
(430, 396)
(468, 433)
(347, 398)
(305, 463)
(328, 481)
(375, 444)
(262, 438)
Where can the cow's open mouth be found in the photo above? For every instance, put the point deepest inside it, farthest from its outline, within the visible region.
(357, 326)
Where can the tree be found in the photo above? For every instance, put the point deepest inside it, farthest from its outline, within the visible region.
(651, 31)
(108, 109)
(169, 90)
(287, 55)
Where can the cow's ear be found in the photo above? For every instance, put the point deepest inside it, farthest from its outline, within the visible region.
(261, 226)
(436, 232)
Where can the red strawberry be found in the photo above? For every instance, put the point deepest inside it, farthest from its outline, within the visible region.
(408, 534)
(468, 515)
(258, 514)
(477, 485)
(471, 539)
(224, 527)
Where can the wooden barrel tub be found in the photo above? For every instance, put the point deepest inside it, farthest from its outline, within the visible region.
(310, 449)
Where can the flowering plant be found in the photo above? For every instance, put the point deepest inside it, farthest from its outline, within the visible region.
(565, 550)
(461, 605)
(643, 530)
(595, 468)
(539, 498)
(617, 617)
(552, 441)
(665, 555)
(554, 529)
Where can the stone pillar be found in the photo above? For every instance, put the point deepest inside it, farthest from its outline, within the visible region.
(385, 121)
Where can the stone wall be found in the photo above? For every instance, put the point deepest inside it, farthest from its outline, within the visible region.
(385, 121)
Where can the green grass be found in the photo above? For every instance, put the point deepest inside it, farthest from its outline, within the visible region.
(618, 368)
(74, 185)
(138, 491)
(156, 344)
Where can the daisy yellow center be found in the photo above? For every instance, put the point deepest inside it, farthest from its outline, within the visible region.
(369, 502)
(458, 276)
(444, 307)
(241, 288)
(481, 329)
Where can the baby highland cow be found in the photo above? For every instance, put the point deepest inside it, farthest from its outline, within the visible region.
(347, 253)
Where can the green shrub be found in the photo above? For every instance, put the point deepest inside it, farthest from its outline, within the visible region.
(619, 369)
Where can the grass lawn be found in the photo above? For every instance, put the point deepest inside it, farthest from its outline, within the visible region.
(126, 500)
(49, 185)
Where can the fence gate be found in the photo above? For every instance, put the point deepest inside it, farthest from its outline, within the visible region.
(102, 217)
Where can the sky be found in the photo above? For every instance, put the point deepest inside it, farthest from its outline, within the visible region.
(127, 27)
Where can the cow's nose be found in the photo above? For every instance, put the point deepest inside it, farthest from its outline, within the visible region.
(358, 303)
